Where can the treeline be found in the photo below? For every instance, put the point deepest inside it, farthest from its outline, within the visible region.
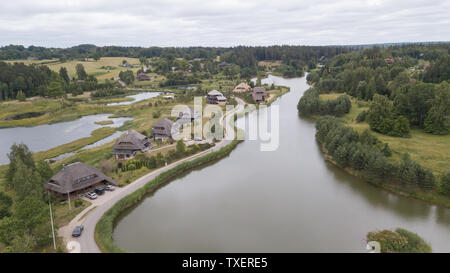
(366, 154)
(159, 160)
(24, 218)
(179, 78)
(18, 81)
(411, 78)
(108, 93)
(29, 79)
(311, 104)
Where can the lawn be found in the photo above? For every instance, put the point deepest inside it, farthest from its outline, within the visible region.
(105, 68)
(431, 151)
(52, 110)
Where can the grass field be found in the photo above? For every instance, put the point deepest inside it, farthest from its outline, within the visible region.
(331, 96)
(112, 65)
(105, 68)
(55, 110)
(431, 151)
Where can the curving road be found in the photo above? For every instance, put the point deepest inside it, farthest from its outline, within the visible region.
(92, 214)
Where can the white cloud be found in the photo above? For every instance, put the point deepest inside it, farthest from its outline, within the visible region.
(61, 23)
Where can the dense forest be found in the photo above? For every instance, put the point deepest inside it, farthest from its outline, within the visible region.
(26, 226)
(402, 88)
(366, 154)
(241, 55)
(19, 81)
(407, 87)
(311, 104)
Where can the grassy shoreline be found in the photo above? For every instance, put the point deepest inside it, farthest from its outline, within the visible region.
(105, 227)
(96, 135)
(432, 198)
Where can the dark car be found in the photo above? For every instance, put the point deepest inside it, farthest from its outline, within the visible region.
(100, 190)
(77, 231)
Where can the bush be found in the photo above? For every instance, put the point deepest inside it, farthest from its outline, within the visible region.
(390, 241)
(365, 153)
(156, 114)
(311, 104)
(444, 184)
(78, 203)
(399, 241)
(361, 117)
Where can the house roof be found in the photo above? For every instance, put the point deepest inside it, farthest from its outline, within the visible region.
(165, 122)
(221, 98)
(242, 87)
(214, 93)
(131, 140)
(258, 96)
(259, 90)
(76, 176)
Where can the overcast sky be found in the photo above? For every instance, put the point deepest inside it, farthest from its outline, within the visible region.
(65, 23)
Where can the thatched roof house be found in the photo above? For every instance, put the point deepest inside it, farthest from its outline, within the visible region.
(162, 129)
(259, 94)
(242, 87)
(77, 178)
(129, 144)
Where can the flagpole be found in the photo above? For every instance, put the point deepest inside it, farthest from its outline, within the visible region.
(51, 219)
(68, 195)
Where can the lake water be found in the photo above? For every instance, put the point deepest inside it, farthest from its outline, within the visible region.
(136, 98)
(289, 200)
(44, 137)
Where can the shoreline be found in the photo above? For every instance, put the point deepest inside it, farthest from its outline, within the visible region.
(389, 188)
(104, 228)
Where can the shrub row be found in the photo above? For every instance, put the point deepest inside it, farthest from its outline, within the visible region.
(104, 228)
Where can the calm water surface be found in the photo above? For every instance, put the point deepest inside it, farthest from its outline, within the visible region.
(289, 200)
(44, 137)
(136, 98)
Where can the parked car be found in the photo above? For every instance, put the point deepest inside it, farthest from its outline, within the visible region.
(77, 231)
(109, 188)
(91, 195)
(100, 190)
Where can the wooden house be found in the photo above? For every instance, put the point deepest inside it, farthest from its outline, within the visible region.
(129, 144)
(75, 179)
(162, 129)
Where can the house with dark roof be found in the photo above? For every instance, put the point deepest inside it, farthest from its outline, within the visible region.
(129, 144)
(162, 129)
(143, 77)
(75, 179)
(215, 97)
(259, 94)
(223, 64)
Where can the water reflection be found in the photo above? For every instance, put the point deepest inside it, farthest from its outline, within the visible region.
(44, 137)
(136, 98)
(289, 200)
